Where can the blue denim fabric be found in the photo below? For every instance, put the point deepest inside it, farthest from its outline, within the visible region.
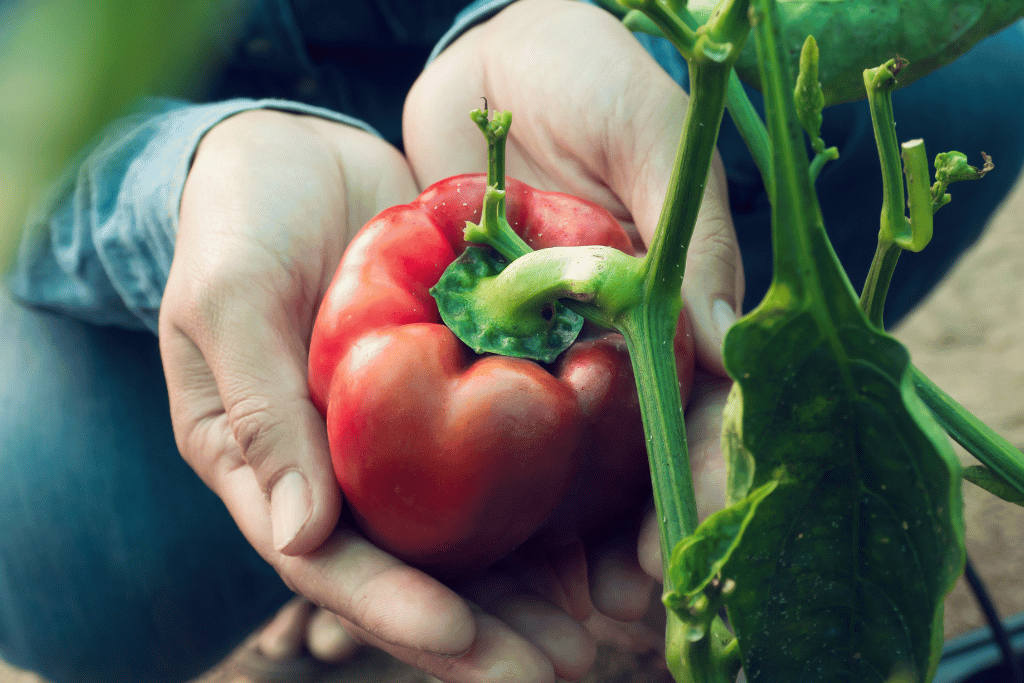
(100, 249)
(116, 562)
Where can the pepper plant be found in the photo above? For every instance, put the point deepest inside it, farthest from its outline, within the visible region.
(844, 528)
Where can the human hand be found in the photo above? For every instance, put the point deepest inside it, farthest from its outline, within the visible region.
(597, 118)
(269, 205)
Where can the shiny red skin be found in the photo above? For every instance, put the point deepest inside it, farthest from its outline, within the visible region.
(448, 459)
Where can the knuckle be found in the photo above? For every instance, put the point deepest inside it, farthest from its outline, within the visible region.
(716, 242)
(253, 426)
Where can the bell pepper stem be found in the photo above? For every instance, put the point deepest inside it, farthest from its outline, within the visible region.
(603, 277)
(495, 130)
(494, 229)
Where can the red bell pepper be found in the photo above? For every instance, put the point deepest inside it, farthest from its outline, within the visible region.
(449, 459)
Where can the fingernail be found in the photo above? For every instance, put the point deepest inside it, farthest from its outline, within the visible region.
(290, 506)
(724, 316)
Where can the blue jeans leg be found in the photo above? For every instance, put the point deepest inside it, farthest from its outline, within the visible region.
(116, 562)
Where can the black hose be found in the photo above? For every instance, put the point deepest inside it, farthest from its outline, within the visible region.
(1011, 662)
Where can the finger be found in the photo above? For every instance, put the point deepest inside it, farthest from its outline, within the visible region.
(562, 639)
(282, 637)
(327, 639)
(632, 636)
(497, 654)
(266, 420)
(619, 586)
(649, 546)
(704, 442)
(707, 464)
(713, 282)
(557, 574)
(354, 579)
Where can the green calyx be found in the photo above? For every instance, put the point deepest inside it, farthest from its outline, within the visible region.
(474, 303)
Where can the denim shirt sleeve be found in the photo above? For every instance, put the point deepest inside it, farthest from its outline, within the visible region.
(476, 13)
(99, 248)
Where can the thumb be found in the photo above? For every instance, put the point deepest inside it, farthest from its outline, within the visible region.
(245, 423)
(280, 435)
(713, 283)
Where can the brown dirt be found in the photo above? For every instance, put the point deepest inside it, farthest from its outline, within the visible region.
(969, 338)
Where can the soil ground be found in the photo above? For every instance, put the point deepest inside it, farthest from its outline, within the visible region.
(969, 338)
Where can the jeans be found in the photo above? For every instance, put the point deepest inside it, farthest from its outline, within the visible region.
(116, 562)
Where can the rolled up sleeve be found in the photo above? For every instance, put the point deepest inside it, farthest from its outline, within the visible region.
(99, 248)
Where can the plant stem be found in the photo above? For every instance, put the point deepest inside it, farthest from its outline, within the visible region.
(822, 158)
(795, 212)
(919, 195)
(896, 234)
(748, 122)
(880, 82)
(671, 25)
(751, 128)
(700, 660)
(650, 329)
(876, 286)
(602, 276)
(979, 439)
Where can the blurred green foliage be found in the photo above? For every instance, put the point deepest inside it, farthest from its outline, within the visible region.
(68, 67)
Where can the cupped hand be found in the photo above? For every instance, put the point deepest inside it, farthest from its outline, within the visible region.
(593, 116)
(269, 205)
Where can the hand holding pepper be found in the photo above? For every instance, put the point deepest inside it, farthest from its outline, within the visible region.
(597, 118)
(270, 202)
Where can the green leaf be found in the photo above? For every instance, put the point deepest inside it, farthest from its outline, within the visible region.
(857, 34)
(539, 333)
(979, 475)
(698, 559)
(841, 574)
(67, 68)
